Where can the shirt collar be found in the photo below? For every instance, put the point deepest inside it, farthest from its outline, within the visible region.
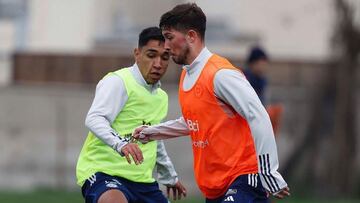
(140, 79)
(199, 61)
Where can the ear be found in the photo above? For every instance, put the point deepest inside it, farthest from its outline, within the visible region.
(136, 53)
(192, 36)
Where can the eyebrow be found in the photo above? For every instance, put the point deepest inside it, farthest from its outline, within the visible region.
(152, 50)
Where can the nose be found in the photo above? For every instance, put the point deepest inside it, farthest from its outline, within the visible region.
(167, 44)
(157, 62)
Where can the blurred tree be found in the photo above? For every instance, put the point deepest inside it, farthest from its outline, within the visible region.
(343, 172)
(333, 116)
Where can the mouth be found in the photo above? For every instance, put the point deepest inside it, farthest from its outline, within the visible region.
(155, 74)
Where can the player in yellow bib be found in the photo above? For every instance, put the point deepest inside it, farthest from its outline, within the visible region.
(125, 99)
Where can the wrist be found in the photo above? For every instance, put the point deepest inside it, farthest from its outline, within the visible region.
(119, 145)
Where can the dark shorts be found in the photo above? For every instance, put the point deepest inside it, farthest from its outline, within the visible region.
(134, 192)
(245, 188)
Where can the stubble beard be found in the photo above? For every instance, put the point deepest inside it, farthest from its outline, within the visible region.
(182, 58)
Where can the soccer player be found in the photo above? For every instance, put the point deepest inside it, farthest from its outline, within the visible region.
(235, 155)
(123, 100)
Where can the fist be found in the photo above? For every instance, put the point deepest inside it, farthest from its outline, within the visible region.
(138, 135)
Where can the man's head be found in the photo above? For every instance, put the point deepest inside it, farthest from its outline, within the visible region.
(151, 55)
(184, 30)
(257, 61)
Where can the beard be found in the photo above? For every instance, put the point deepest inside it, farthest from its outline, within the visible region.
(181, 59)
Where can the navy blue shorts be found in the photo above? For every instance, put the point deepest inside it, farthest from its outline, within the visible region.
(245, 188)
(99, 183)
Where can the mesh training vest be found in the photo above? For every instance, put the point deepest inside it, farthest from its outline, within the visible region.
(142, 107)
(222, 143)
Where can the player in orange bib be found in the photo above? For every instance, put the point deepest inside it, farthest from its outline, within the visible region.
(235, 155)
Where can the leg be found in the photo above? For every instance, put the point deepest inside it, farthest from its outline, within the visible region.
(112, 196)
(147, 192)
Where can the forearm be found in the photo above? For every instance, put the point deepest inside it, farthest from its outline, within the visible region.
(166, 130)
(266, 150)
(166, 173)
(101, 128)
(110, 98)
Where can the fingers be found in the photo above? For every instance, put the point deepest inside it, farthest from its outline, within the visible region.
(168, 192)
(134, 151)
(126, 153)
(174, 193)
(136, 133)
(283, 193)
(178, 190)
(183, 190)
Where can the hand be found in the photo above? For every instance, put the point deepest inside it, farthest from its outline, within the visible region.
(134, 151)
(285, 192)
(177, 190)
(140, 136)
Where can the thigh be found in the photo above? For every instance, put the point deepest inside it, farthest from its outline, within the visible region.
(154, 197)
(147, 192)
(101, 184)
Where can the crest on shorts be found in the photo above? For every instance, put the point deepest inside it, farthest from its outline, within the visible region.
(112, 184)
(231, 192)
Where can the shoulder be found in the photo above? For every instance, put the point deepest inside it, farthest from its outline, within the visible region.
(162, 92)
(111, 81)
(226, 73)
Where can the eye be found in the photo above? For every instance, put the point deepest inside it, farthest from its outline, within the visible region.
(165, 57)
(169, 37)
(151, 55)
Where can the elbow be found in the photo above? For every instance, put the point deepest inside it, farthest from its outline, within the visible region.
(89, 120)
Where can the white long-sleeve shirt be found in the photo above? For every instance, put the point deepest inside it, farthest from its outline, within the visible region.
(110, 98)
(232, 88)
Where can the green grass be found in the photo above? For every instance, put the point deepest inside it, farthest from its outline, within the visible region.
(47, 196)
(41, 196)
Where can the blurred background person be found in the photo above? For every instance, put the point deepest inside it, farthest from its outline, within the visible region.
(257, 64)
(255, 71)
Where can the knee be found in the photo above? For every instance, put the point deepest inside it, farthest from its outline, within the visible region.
(112, 196)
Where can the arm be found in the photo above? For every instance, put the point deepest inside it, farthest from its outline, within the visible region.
(166, 173)
(232, 87)
(110, 98)
(169, 129)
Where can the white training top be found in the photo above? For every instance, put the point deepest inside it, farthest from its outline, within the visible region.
(231, 87)
(110, 98)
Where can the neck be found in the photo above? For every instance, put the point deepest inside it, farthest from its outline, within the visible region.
(194, 52)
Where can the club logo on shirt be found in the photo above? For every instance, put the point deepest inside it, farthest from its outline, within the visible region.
(146, 123)
(198, 91)
(127, 137)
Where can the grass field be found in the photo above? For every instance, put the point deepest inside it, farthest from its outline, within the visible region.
(45, 196)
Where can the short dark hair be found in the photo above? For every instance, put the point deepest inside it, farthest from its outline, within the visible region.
(256, 53)
(150, 33)
(184, 17)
